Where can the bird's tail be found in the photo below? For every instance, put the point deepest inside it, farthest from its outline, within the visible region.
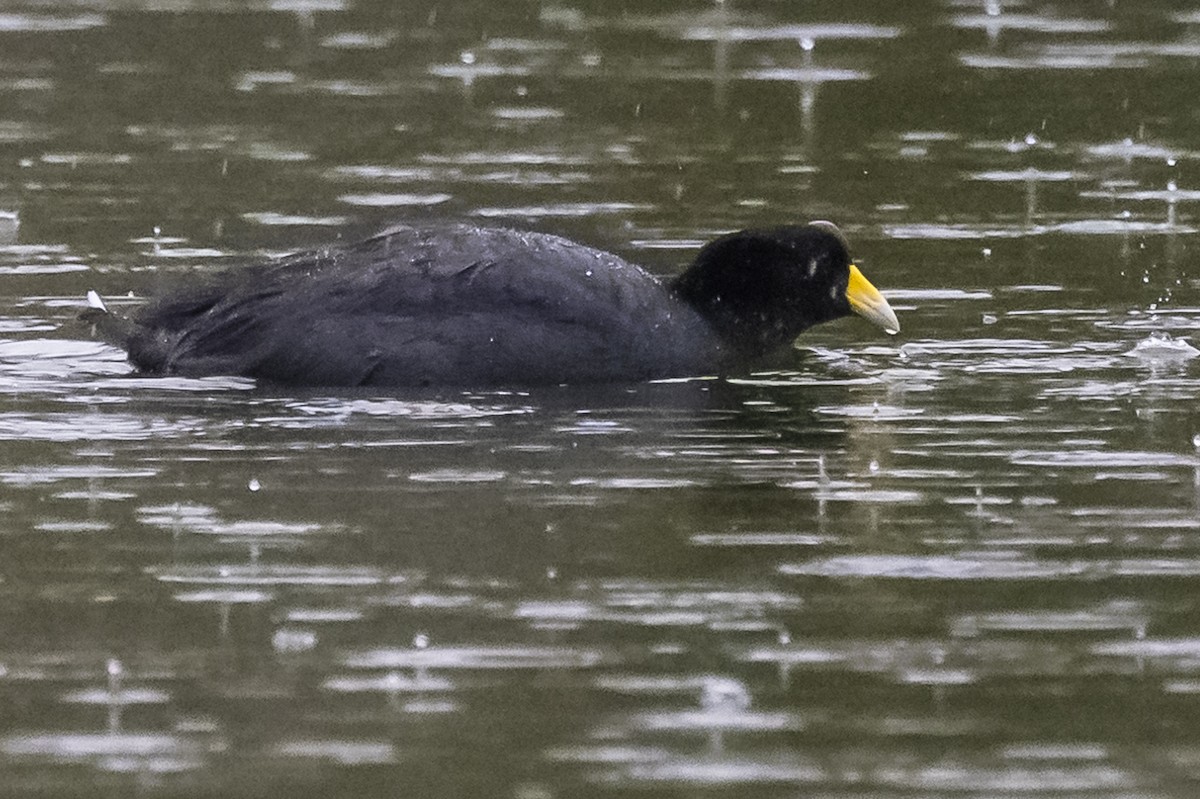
(106, 325)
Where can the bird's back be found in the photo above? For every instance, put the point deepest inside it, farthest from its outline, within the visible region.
(454, 305)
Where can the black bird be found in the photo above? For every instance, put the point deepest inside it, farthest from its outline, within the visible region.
(476, 307)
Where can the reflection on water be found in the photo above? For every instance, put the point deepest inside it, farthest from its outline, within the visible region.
(961, 563)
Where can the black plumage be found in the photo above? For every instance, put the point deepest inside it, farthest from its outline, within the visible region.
(466, 306)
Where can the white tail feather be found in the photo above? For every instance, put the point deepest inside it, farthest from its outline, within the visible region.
(94, 301)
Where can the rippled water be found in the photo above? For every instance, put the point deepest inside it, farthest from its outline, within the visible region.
(962, 562)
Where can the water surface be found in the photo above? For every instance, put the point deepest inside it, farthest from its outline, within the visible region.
(962, 562)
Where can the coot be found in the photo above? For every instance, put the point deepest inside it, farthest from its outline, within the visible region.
(461, 305)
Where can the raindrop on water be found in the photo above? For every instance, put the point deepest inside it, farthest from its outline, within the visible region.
(724, 693)
(115, 670)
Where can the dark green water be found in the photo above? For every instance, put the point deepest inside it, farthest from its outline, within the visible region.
(963, 562)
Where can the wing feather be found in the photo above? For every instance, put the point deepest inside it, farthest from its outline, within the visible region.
(436, 306)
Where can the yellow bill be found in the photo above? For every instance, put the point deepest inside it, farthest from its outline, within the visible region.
(866, 301)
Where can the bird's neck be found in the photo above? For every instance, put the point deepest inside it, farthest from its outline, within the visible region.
(746, 322)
